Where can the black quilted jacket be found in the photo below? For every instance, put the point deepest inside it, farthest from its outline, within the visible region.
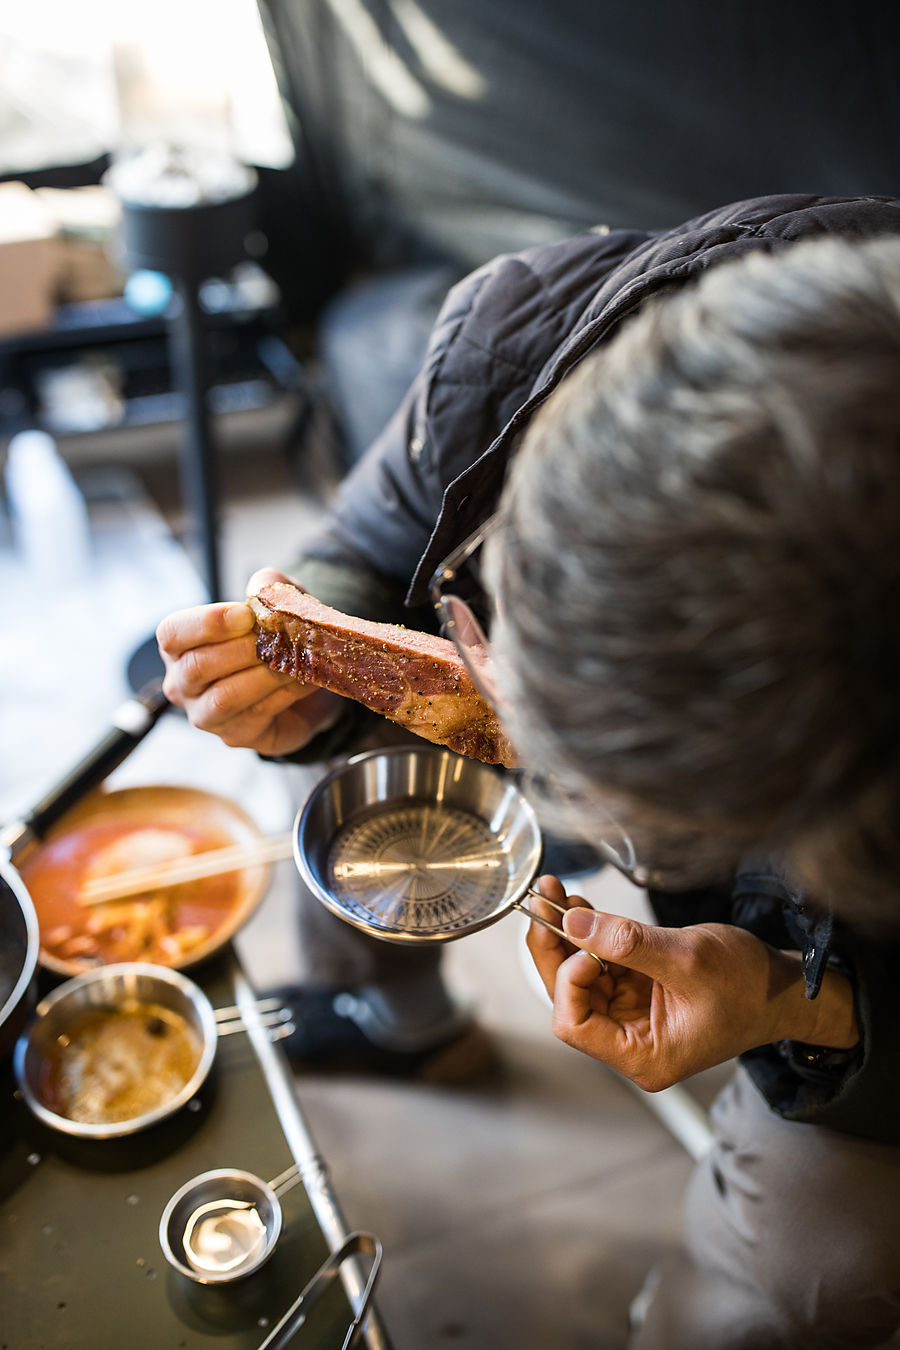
(505, 338)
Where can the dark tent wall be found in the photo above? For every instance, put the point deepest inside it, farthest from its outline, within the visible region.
(537, 119)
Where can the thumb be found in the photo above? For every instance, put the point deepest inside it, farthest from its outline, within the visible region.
(625, 942)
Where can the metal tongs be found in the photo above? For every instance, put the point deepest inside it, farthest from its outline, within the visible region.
(356, 1244)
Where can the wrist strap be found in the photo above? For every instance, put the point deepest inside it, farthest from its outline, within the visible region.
(818, 1063)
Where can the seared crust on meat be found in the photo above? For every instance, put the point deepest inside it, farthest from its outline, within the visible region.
(412, 678)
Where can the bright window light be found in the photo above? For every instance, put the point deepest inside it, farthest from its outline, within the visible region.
(82, 79)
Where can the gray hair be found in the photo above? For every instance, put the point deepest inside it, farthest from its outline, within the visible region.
(698, 569)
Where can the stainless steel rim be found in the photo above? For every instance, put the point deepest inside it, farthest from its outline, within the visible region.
(226, 1277)
(400, 935)
(209, 1035)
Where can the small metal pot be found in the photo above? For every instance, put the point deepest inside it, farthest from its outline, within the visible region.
(205, 1194)
(219, 1192)
(109, 987)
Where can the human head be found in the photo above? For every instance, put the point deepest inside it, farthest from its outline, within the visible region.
(698, 568)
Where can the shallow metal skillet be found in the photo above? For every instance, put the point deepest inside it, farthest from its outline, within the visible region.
(416, 845)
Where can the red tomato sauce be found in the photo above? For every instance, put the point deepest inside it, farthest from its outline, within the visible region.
(161, 926)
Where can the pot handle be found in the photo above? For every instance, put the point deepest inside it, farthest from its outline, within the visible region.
(356, 1244)
(130, 725)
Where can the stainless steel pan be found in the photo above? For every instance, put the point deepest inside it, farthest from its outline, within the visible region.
(111, 987)
(418, 845)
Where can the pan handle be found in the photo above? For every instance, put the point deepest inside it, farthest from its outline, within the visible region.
(551, 927)
(130, 725)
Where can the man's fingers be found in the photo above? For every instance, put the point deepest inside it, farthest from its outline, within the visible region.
(540, 939)
(318, 713)
(315, 706)
(268, 576)
(547, 953)
(575, 1011)
(203, 624)
(547, 950)
(238, 693)
(273, 731)
(250, 725)
(657, 952)
(552, 888)
(199, 667)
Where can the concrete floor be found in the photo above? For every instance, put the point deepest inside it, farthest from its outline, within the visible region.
(523, 1214)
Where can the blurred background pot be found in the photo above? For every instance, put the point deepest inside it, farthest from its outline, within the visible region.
(19, 942)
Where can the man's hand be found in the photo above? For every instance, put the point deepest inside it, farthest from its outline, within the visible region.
(678, 1000)
(212, 671)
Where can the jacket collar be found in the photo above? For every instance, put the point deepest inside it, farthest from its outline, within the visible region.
(667, 259)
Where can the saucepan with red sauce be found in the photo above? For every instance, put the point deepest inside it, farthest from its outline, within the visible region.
(19, 936)
(114, 832)
(124, 1043)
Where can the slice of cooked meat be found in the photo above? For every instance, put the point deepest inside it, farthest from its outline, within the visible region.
(412, 678)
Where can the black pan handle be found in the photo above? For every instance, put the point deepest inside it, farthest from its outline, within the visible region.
(130, 725)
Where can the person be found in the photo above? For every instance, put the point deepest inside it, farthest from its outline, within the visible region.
(692, 580)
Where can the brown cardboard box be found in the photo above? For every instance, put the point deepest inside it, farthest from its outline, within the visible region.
(30, 260)
(87, 218)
